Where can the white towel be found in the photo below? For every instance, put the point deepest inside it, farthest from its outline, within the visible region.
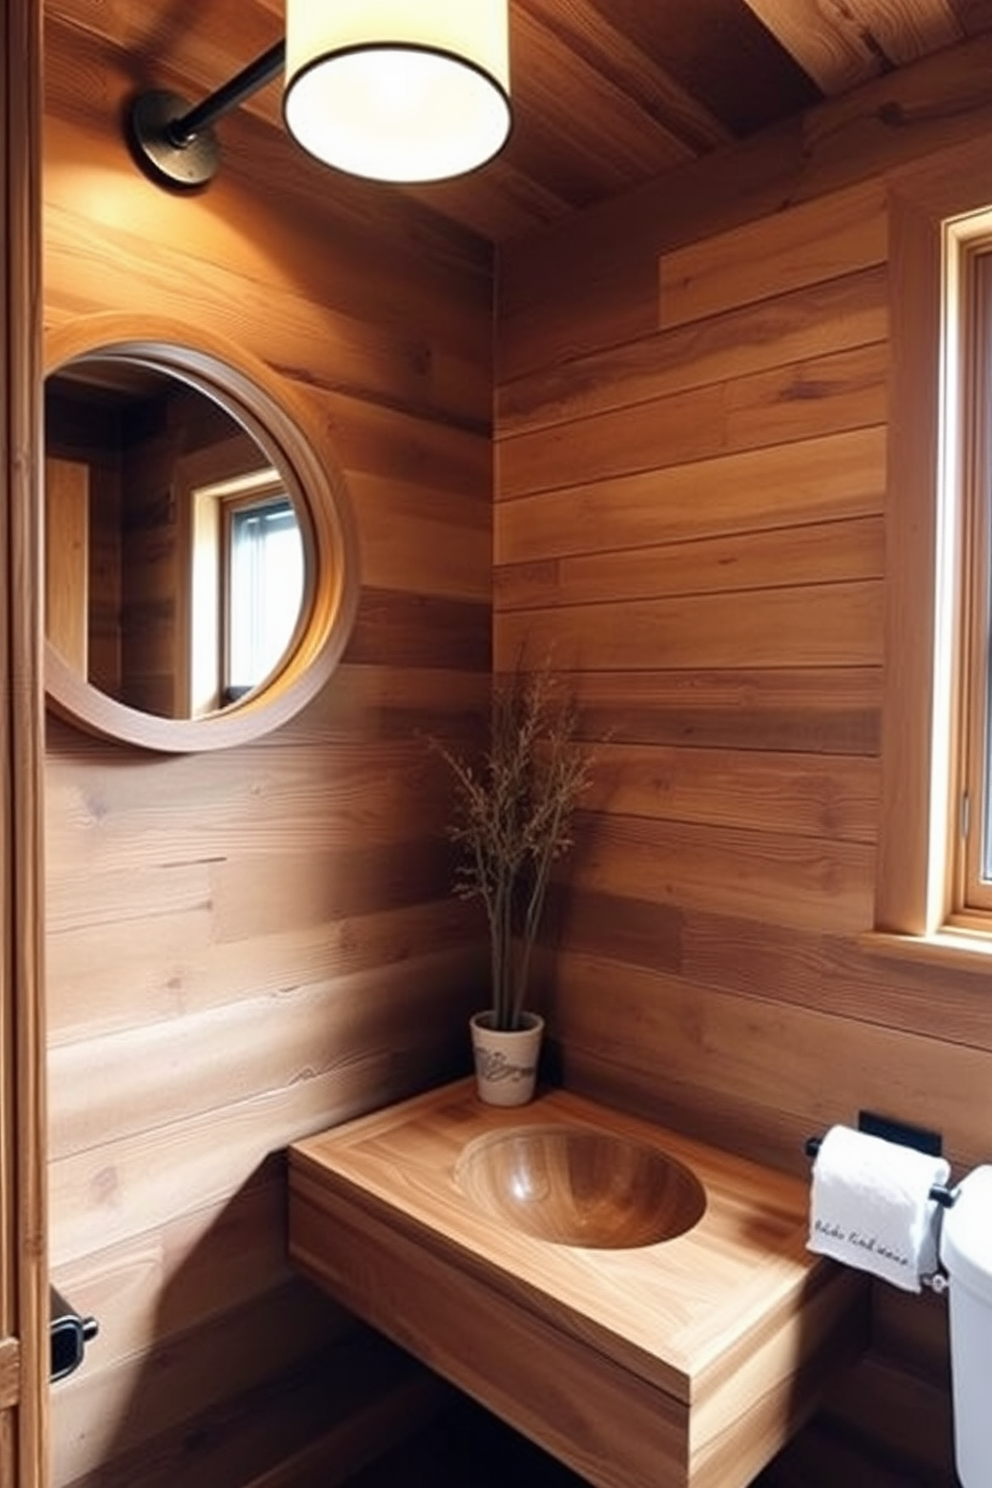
(870, 1206)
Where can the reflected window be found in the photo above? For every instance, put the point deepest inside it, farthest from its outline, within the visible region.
(163, 459)
(247, 591)
(175, 575)
(263, 572)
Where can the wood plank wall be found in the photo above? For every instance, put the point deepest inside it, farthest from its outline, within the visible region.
(691, 497)
(247, 946)
(692, 423)
(23, 1249)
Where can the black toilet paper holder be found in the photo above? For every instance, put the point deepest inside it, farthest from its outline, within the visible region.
(68, 1336)
(919, 1137)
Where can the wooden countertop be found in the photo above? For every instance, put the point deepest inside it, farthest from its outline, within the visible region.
(682, 1314)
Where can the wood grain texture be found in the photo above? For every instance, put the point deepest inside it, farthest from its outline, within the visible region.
(605, 98)
(834, 50)
(548, 311)
(810, 244)
(294, 894)
(686, 1362)
(67, 560)
(671, 481)
(774, 331)
(24, 1342)
(808, 400)
(147, 703)
(819, 479)
(906, 900)
(325, 1415)
(248, 945)
(832, 710)
(10, 1373)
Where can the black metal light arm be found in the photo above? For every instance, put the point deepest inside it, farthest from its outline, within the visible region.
(175, 144)
(248, 81)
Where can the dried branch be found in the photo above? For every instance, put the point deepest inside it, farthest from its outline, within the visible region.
(513, 818)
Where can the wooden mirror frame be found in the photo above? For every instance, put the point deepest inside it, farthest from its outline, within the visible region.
(277, 418)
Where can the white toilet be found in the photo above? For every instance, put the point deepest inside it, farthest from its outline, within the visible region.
(966, 1252)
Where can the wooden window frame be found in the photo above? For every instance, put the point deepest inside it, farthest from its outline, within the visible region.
(24, 1330)
(914, 889)
(970, 301)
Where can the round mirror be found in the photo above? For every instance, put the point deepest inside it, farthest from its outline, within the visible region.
(200, 574)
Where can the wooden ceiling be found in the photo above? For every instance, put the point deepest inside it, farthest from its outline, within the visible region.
(609, 93)
(606, 93)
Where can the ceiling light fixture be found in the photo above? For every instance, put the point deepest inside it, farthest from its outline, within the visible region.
(392, 90)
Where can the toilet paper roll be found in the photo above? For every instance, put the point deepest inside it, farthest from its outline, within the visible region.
(870, 1206)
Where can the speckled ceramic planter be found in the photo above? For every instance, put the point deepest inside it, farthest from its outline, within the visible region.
(506, 1063)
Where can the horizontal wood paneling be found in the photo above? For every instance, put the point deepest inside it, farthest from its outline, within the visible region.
(419, 631)
(825, 625)
(805, 400)
(821, 553)
(333, 1403)
(175, 970)
(786, 880)
(105, 1411)
(407, 545)
(218, 1059)
(691, 492)
(763, 1073)
(560, 297)
(253, 944)
(240, 801)
(782, 329)
(129, 1286)
(831, 710)
(808, 795)
(833, 974)
(921, 1449)
(692, 426)
(816, 242)
(840, 475)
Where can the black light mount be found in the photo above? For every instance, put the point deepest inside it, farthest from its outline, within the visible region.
(174, 144)
(400, 93)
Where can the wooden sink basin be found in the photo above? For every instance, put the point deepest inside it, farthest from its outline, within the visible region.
(576, 1187)
(675, 1334)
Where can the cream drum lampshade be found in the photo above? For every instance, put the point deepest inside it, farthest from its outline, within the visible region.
(398, 90)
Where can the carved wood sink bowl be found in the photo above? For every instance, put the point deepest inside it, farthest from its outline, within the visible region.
(674, 1334)
(576, 1187)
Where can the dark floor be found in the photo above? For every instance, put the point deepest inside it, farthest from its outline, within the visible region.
(467, 1448)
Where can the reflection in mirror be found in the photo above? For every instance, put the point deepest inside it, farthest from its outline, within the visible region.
(176, 555)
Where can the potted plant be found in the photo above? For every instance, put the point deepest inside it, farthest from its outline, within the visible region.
(512, 821)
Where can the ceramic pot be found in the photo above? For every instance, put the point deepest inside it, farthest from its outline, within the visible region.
(506, 1063)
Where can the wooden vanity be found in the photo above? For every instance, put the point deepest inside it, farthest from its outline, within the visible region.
(685, 1362)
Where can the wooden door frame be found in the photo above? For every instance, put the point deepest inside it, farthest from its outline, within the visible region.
(24, 1325)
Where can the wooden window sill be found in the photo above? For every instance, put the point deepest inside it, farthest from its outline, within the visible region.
(957, 949)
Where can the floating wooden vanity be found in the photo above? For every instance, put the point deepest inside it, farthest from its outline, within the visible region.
(690, 1361)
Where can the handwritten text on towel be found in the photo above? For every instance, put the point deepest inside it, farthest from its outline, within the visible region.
(869, 1243)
